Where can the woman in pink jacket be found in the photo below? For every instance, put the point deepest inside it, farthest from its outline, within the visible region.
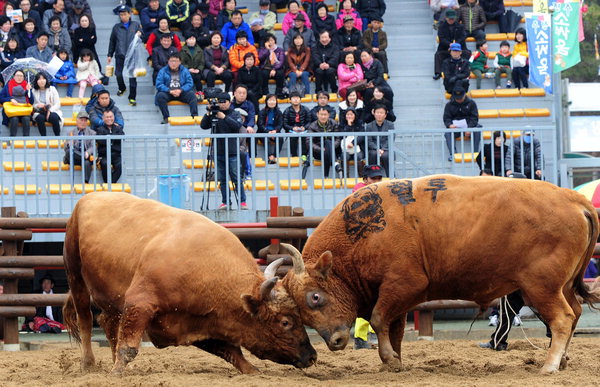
(288, 20)
(348, 9)
(348, 73)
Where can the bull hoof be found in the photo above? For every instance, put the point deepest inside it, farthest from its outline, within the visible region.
(563, 363)
(88, 365)
(128, 354)
(391, 366)
(549, 370)
(252, 370)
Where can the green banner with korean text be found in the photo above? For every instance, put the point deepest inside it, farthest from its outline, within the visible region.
(565, 34)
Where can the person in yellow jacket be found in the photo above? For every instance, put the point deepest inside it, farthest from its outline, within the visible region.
(364, 335)
(520, 57)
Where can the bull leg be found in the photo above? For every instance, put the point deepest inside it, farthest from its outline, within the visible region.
(576, 307)
(555, 309)
(381, 321)
(110, 323)
(137, 314)
(229, 352)
(397, 334)
(83, 308)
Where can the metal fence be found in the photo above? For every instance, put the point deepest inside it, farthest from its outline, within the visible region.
(187, 172)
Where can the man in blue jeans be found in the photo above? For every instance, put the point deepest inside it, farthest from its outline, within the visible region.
(227, 150)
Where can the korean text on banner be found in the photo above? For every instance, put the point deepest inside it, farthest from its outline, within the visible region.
(565, 34)
(540, 63)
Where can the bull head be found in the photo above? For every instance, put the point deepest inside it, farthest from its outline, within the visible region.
(316, 293)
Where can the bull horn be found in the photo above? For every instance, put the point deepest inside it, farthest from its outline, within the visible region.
(296, 258)
(271, 270)
(266, 287)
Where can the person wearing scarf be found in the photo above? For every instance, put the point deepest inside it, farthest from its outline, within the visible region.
(17, 91)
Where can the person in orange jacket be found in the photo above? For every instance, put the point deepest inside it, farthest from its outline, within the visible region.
(238, 50)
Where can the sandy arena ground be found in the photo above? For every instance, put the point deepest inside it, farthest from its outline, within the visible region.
(457, 362)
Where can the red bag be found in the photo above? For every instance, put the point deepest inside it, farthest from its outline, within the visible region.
(43, 324)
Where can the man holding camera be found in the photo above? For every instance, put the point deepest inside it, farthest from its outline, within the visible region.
(226, 121)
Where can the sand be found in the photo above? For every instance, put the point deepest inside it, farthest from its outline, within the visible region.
(425, 364)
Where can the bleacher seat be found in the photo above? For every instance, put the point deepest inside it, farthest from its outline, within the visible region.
(543, 112)
(507, 93)
(482, 93)
(182, 121)
(55, 189)
(487, 134)
(86, 188)
(58, 166)
(293, 184)
(289, 161)
(259, 162)
(4, 190)
(534, 92)
(29, 189)
(16, 166)
(465, 157)
(327, 183)
(116, 187)
(71, 101)
(488, 113)
(259, 185)
(504, 113)
(196, 164)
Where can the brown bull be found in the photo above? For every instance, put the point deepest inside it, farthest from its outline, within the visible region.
(180, 277)
(393, 245)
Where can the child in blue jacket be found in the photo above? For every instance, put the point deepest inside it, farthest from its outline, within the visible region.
(66, 74)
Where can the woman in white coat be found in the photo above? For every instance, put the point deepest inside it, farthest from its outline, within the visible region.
(47, 105)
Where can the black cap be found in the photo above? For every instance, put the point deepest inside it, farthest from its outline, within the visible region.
(189, 34)
(377, 18)
(264, 2)
(222, 97)
(78, 5)
(458, 92)
(300, 17)
(373, 171)
(451, 14)
(122, 8)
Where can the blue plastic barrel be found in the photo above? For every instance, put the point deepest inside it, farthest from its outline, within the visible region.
(171, 189)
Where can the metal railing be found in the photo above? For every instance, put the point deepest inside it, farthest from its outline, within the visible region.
(153, 167)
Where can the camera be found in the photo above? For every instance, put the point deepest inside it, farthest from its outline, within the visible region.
(212, 97)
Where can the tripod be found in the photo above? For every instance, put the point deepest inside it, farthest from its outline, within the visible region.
(209, 175)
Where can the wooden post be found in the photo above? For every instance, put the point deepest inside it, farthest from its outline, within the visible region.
(285, 211)
(425, 325)
(11, 324)
(298, 211)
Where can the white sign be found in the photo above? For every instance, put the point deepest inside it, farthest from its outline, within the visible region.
(191, 145)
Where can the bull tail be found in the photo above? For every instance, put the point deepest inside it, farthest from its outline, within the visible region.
(70, 318)
(589, 296)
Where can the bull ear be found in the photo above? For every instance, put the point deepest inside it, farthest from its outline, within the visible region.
(250, 304)
(324, 263)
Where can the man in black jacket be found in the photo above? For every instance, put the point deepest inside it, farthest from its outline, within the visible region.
(227, 151)
(449, 32)
(111, 128)
(461, 111)
(370, 9)
(325, 62)
(525, 156)
(296, 119)
(120, 37)
(348, 38)
(161, 55)
(456, 69)
(494, 10)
